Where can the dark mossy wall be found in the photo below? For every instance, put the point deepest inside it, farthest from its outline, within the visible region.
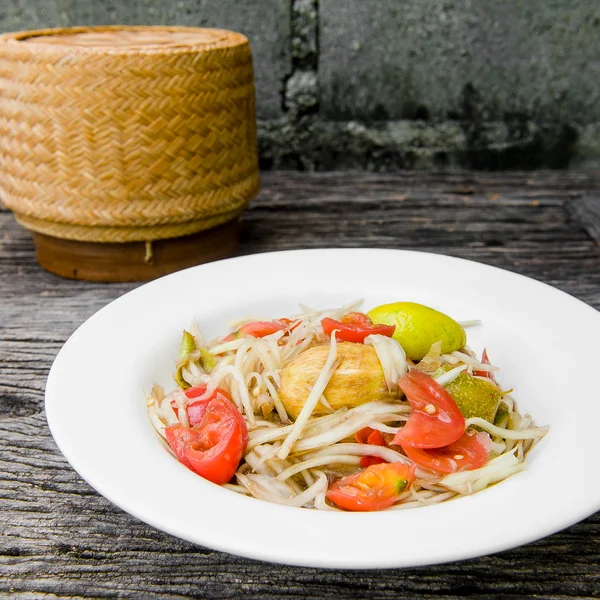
(387, 84)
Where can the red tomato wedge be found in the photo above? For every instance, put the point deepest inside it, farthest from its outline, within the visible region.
(436, 420)
(260, 329)
(214, 447)
(375, 488)
(195, 410)
(355, 327)
(367, 435)
(467, 453)
(180, 436)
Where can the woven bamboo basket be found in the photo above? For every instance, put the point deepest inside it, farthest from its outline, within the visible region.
(128, 152)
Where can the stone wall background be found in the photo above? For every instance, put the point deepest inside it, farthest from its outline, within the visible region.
(388, 84)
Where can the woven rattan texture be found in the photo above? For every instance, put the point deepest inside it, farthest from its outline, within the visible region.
(115, 143)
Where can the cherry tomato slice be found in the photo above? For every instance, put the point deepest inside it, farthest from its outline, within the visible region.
(375, 488)
(260, 329)
(180, 436)
(214, 448)
(217, 453)
(467, 453)
(436, 420)
(195, 410)
(367, 435)
(355, 327)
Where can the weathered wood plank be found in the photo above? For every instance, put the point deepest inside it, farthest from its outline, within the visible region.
(60, 539)
(587, 211)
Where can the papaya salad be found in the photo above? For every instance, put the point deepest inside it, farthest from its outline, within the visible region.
(343, 410)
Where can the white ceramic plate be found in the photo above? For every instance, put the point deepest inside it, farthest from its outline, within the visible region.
(544, 341)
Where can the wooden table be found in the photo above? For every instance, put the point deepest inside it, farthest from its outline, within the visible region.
(60, 539)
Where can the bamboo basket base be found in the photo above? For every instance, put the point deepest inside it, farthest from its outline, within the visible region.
(134, 261)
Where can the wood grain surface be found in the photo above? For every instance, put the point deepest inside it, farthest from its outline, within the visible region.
(60, 539)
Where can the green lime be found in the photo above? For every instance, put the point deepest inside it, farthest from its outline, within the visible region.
(418, 327)
(475, 397)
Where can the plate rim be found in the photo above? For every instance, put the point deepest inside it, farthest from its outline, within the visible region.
(490, 548)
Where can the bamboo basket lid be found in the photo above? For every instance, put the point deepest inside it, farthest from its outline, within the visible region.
(118, 135)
